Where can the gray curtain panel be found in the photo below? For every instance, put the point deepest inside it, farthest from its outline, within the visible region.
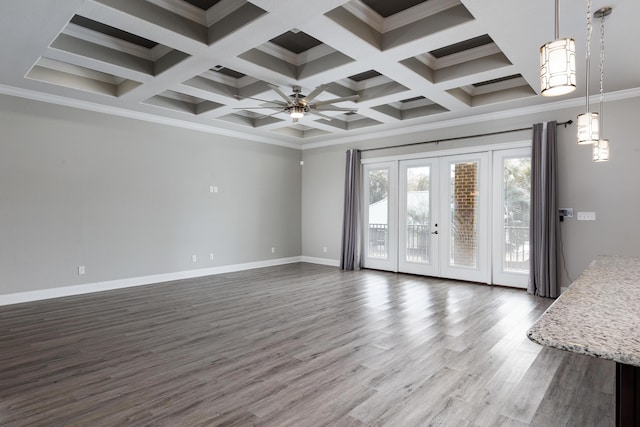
(350, 249)
(545, 225)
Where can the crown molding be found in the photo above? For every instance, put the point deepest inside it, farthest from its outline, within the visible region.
(516, 112)
(106, 109)
(401, 129)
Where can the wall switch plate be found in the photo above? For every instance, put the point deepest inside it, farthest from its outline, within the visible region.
(213, 189)
(324, 249)
(194, 258)
(586, 216)
(81, 270)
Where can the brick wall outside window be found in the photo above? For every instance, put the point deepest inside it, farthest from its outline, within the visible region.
(464, 215)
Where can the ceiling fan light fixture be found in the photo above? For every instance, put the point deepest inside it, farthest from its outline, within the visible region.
(296, 112)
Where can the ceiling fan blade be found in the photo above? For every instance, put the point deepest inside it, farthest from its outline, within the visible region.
(258, 108)
(317, 91)
(334, 100)
(334, 108)
(261, 100)
(324, 116)
(281, 93)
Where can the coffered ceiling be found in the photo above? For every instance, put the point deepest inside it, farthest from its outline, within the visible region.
(208, 64)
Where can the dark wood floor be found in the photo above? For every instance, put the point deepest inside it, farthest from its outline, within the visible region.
(295, 345)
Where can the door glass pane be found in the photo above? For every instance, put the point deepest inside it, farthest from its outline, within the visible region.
(418, 214)
(463, 247)
(378, 180)
(516, 202)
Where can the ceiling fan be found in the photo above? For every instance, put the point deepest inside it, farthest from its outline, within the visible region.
(298, 105)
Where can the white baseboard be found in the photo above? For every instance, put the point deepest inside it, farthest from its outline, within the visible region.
(322, 261)
(65, 291)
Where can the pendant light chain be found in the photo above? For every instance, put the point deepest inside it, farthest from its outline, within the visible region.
(557, 21)
(589, 31)
(602, 75)
(601, 149)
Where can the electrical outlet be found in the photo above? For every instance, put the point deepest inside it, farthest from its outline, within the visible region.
(211, 257)
(273, 250)
(586, 216)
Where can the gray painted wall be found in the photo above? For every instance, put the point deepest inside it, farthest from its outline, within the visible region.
(610, 189)
(127, 198)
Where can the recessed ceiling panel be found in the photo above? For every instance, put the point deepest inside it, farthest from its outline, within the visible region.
(497, 80)
(462, 46)
(296, 42)
(366, 75)
(229, 72)
(108, 30)
(386, 8)
(203, 4)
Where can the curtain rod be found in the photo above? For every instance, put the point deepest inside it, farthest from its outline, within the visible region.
(455, 138)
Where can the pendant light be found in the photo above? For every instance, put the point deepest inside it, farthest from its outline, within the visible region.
(588, 129)
(601, 148)
(558, 63)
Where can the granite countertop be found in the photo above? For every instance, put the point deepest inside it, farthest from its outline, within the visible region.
(599, 315)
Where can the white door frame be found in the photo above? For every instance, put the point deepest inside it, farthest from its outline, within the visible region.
(490, 276)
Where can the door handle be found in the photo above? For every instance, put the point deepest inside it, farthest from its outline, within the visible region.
(435, 232)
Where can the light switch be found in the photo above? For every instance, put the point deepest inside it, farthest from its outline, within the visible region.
(586, 216)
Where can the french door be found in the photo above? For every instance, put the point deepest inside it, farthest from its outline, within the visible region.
(441, 205)
(418, 217)
(432, 216)
(512, 190)
(465, 217)
(380, 201)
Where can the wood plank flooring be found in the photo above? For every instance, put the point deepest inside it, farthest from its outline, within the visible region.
(294, 345)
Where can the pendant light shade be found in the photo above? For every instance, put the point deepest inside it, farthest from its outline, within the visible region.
(601, 151)
(588, 128)
(558, 63)
(558, 67)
